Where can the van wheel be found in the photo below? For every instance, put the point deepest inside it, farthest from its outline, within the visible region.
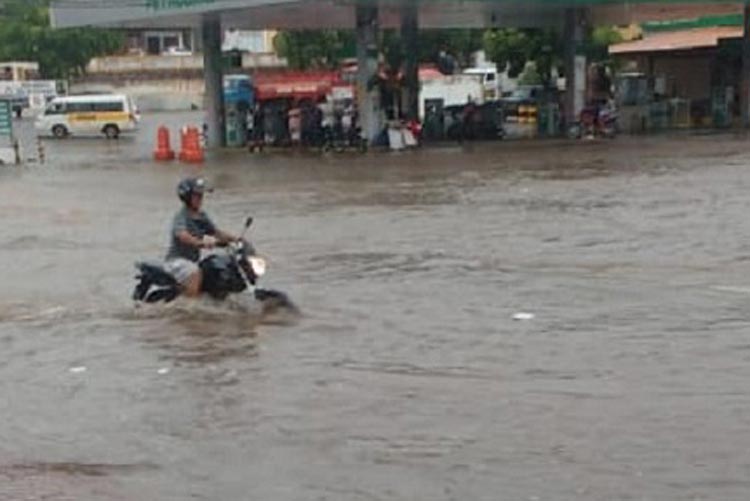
(111, 131)
(59, 131)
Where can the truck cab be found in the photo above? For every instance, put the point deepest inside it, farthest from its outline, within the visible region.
(238, 92)
(490, 80)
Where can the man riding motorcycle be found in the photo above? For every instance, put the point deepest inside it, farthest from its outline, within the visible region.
(192, 230)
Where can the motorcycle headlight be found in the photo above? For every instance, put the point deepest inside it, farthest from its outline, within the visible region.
(258, 265)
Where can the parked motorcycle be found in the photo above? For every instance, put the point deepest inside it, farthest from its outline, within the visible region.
(596, 121)
(232, 270)
(341, 139)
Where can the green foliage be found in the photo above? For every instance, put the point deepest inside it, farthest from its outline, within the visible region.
(512, 49)
(598, 42)
(392, 49)
(460, 43)
(25, 34)
(530, 75)
(508, 49)
(306, 49)
(325, 48)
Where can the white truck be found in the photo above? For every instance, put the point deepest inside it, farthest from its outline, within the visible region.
(450, 90)
(491, 81)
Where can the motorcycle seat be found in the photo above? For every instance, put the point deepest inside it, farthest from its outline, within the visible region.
(155, 273)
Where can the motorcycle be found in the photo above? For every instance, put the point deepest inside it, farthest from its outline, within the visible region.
(233, 271)
(340, 139)
(596, 121)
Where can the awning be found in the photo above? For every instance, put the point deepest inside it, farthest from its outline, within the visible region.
(703, 38)
(317, 14)
(294, 85)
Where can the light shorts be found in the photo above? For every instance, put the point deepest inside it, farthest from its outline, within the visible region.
(181, 269)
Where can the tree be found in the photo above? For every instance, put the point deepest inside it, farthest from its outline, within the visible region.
(459, 43)
(598, 43)
(512, 49)
(530, 75)
(508, 49)
(306, 49)
(25, 34)
(325, 48)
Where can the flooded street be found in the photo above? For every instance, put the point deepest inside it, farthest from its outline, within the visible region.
(408, 377)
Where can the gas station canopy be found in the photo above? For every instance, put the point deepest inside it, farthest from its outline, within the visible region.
(321, 14)
(367, 17)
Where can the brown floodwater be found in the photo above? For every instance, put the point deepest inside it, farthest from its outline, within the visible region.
(411, 374)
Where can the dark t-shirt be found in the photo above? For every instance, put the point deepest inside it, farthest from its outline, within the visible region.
(197, 225)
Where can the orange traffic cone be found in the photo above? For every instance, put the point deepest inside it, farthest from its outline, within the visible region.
(164, 151)
(191, 150)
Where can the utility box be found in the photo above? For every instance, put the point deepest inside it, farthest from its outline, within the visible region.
(239, 99)
(8, 145)
(235, 124)
(720, 106)
(549, 119)
(433, 126)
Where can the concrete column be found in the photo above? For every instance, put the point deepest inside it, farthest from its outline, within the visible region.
(745, 80)
(214, 79)
(575, 65)
(410, 38)
(368, 99)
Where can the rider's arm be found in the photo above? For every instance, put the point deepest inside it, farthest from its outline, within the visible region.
(224, 238)
(186, 238)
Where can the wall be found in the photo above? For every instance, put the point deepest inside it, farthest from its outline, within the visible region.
(166, 94)
(193, 62)
(159, 83)
(688, 76)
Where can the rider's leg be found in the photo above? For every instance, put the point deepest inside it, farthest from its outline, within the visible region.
(187, 274)
(192, 286)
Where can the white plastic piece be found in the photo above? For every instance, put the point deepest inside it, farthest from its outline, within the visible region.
(7, 156)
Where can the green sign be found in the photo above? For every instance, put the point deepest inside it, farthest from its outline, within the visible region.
(175, 4)
(6, 121)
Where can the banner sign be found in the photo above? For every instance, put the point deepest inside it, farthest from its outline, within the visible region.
(175, 4)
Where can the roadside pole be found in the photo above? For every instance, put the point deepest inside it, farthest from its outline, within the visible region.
(745, 94)
(367, 68)
(214, 80)
(410, 37)
(575, 65)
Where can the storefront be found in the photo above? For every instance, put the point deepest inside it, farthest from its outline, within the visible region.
(692, 78)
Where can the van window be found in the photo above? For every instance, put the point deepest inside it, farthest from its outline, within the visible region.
(109, 106)
(55, 109)
(80, 107)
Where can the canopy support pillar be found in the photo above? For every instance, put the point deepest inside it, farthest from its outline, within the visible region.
(214, 80)
(367, 67)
